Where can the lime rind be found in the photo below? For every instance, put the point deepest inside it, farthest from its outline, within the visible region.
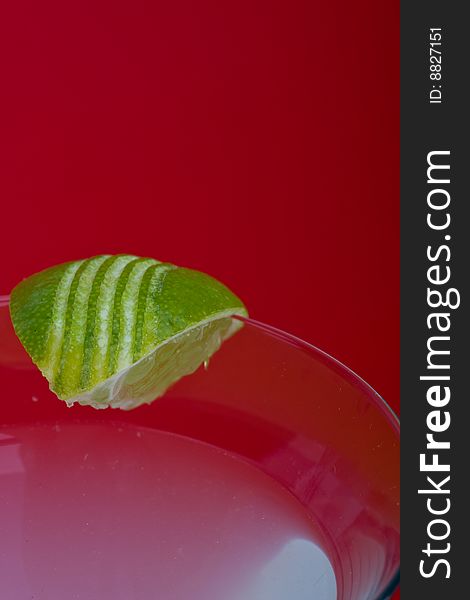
(152, 283)
(33, 299)
(103, 319)
(129, 306)
(67, 377)
(116, 320)
(92, 309)
(59, 312)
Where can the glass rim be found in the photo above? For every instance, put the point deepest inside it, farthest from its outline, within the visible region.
(331, 361)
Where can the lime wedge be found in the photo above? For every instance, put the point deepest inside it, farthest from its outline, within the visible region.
(119, 330)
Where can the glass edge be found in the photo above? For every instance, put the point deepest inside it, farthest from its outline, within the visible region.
(4, 300)
(302, 344)
(391, 587)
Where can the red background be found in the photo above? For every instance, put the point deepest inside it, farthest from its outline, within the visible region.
(255, 140)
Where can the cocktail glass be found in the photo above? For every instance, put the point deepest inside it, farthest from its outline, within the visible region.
(270, 474)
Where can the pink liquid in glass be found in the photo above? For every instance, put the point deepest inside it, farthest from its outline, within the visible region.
(114, 511)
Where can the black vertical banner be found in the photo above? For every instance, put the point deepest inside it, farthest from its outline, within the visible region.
(435, 259)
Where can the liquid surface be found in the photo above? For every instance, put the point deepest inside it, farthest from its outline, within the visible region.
(91, 511)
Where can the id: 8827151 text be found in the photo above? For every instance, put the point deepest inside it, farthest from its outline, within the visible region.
(435, 65)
